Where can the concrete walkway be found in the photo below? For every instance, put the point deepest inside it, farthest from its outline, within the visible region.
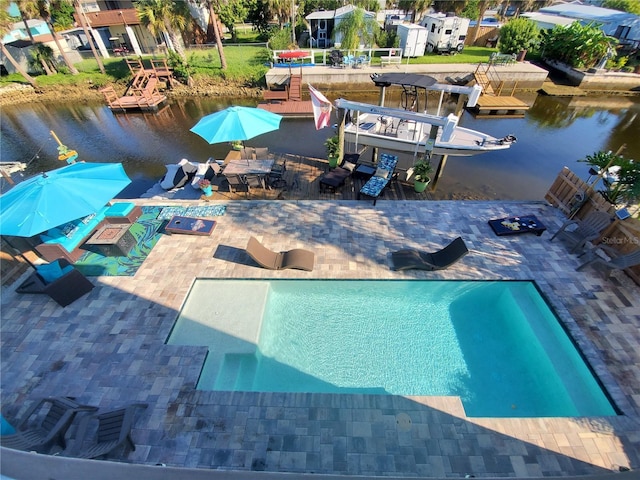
(108, 349)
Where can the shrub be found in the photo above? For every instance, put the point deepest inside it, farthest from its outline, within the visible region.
(518, 34)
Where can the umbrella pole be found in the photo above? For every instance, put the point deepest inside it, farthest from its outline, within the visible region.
(6, 239)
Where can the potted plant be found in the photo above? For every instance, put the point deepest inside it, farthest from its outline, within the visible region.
(236, 145)
(205, 186)
(421, 171)
(332, 144)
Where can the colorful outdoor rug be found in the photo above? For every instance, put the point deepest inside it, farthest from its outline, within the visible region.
(208, 211)
(146, 231)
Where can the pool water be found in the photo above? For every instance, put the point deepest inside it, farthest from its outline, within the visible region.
(495, 344)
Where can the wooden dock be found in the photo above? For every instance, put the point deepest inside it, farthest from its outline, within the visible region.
(288, 101)
(499, 107)
(142, 92)
(289, 108)
(491, 103)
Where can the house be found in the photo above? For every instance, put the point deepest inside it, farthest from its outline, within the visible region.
(322, 23)
(615, 23)
(18, 44)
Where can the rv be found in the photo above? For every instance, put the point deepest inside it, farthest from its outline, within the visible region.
(446, 34)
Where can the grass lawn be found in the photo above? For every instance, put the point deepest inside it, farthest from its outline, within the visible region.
(246, 64)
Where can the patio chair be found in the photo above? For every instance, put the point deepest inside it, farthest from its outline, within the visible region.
(51, 430)
(416, 259)
(254, 181)
(113, 431)
(297, 258)
(237, 184)
(610, 258)
(58, 279)
(579, 232)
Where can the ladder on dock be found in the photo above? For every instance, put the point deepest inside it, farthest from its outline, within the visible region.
(288, 102)
(492, 102)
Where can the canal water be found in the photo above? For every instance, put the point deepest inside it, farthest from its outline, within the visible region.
(556, 132)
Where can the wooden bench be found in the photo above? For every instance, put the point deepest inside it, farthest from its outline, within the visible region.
(390, 60)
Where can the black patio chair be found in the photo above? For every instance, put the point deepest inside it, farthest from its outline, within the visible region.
(336, 59)
(416, 259)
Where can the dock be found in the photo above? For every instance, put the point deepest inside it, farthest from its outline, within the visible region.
(499, 107)
(286, 98)
(492, 103)
(142, 92)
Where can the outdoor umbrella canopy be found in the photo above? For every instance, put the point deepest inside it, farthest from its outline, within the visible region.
(53, 198)
(236, 123)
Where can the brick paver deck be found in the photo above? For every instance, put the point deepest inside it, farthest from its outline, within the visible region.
(108, 349)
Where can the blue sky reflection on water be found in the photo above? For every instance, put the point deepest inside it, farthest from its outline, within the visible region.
(556, 132)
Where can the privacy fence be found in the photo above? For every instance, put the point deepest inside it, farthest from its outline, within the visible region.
(577, 198)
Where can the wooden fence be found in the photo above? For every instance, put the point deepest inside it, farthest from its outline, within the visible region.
(577, 198)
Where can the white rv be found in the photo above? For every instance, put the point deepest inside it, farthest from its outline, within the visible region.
(446, 34)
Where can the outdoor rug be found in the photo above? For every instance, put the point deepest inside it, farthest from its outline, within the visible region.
(147, 231)
(210, 211)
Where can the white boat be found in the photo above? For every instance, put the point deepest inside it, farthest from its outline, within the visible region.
(407, 131)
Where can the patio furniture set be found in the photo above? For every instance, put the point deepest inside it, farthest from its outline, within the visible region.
(377, 176)
(65, 241)
(45, 425)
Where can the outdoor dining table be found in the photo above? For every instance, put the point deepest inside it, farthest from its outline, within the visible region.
(244, 167)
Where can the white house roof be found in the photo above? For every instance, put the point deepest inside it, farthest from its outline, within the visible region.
(337, 13)
(548, 21)
(589, 13)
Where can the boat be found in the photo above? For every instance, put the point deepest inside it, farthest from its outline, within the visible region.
(408, 131)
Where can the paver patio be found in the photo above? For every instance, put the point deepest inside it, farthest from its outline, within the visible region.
(108, 349)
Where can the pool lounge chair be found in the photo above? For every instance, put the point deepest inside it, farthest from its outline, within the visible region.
(113, 431)
(417, 259)
(297, 258)
(381, 178)
(51, 430)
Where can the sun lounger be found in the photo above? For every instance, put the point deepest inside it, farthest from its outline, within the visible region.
(381, 178)
(297, 258)
(416, 259)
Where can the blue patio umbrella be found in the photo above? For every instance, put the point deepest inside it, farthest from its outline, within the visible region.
(53, 198)
(236, 123)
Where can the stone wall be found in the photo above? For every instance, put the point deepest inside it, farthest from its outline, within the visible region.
(600, 80)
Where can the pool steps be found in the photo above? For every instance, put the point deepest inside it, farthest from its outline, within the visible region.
(236, 372)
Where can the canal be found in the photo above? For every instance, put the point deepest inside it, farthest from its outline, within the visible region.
(556, 132)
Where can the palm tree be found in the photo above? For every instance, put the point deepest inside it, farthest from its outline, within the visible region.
(27, 11)
(416, 7)
(356, 28)
(165, 17)
(83, 23)
(45, 14)
(6, 23)
(213, 19)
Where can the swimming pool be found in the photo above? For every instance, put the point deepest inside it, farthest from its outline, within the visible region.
(495, 344)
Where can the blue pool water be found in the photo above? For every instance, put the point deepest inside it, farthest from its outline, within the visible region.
(496, 345)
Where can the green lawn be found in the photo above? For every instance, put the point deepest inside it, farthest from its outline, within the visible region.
(246, 64)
